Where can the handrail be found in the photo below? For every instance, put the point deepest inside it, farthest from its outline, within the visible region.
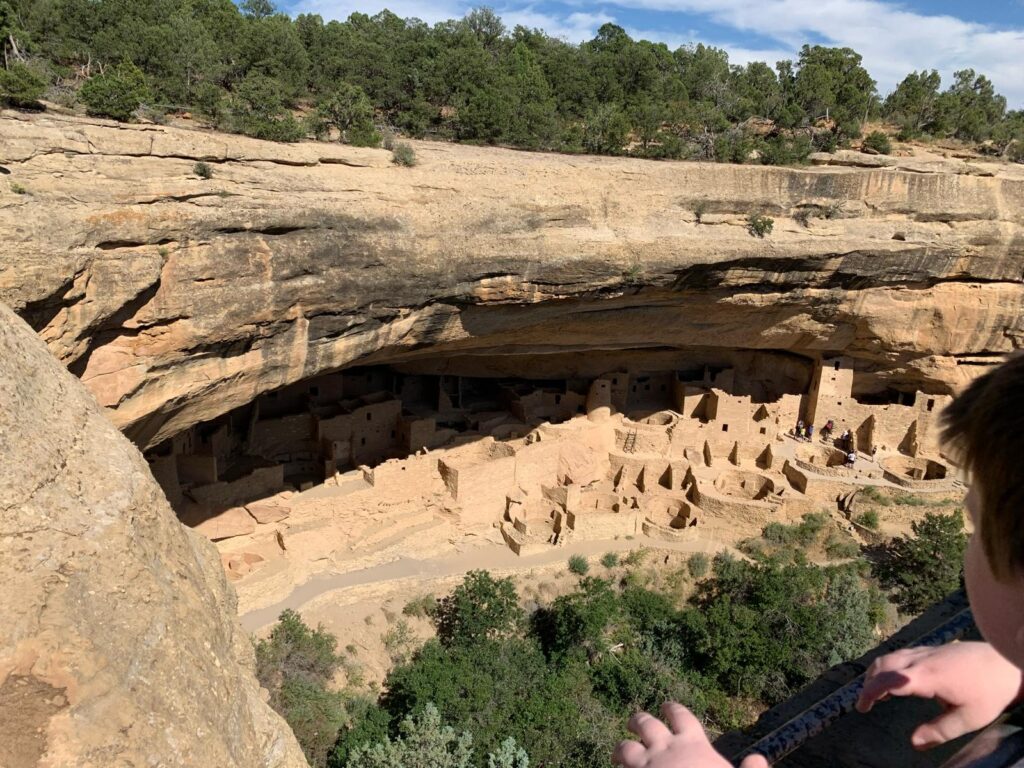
(792, 734)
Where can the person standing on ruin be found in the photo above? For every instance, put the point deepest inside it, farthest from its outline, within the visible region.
(810, 432)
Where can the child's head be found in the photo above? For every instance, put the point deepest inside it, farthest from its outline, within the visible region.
(984, 429)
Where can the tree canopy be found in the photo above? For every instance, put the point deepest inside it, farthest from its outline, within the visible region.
(250, 68)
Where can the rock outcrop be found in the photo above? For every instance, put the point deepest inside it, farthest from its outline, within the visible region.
(119, 644)
(176, 299)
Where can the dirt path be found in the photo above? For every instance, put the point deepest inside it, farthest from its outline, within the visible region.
(494, 557)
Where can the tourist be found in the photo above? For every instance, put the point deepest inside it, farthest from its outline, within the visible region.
(799, 431)
(851, 459)
(973, 681)
(810, 432)
(826, 431)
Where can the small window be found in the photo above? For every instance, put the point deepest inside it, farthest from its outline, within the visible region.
(839, 403)
(362, 441)
(764, 430)
(725, 427)
(634, 387)
(558, 399)
(647, 387)
(837, 365)
(615, 381)
(369, 415)
(931, 404)
(392, 434)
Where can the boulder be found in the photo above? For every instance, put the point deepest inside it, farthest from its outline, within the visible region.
(120, 643)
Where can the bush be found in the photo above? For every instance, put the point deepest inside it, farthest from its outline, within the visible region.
(868, 519)
(841, 547)
(18, 189)
(296, 665)
(760, 226)
(421, 607)
(873, 494)
(480, 608)
(403, 154)
(203, 170)
(258, 109)
(610, 560)
(578, 564)
(399, 642)
(698, 564)
(21, 87)
(117, 93)
(635, 557)
(879, 142)
(348, 110)
(924, 568)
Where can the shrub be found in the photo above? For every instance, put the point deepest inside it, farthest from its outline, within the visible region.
(117, 93)
(421, 606)
(296, 664)
(924, 568)
(347, 109)
(610, 560)
(481, 607)
(403, 154)
(399, 642)
(18, 189)
(258, 109)
(635, 557)
(873, 494)
(879, 142)
(203, 170)
(699, 210)
(840, 547)
(578, 564)
(760, 226)
(21, 87)
(869, 519)
(698, 564)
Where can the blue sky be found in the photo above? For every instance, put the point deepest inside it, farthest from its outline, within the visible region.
(894, 37)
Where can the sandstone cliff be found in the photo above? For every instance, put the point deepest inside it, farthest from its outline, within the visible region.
(176, 299)
(119, 644)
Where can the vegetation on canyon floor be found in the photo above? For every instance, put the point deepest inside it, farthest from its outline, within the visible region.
(252, 70)
(509, 682)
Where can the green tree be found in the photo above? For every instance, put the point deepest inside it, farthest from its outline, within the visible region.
(923, 568)
(348, 110)
(914, 105)
(480, 608)
(532, 121)
(21, 87)
(258, 9)
(607, 128)
(425, 743)
(832, 82)
(296, 665)
(257, 108)
(116, 93)
(971, 107)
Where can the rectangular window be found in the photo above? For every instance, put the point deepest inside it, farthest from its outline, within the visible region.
(837, 365)
(369, 416)
(931, 405)
(725, 427)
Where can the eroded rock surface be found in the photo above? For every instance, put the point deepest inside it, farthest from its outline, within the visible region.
(119, 644)
(177, 299)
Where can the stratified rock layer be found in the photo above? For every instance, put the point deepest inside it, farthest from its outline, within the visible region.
(119, 642)
(177, 299)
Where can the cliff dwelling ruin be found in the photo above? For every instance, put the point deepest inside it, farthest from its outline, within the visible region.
(370, 455)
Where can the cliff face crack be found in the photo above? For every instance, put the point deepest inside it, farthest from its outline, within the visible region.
(113, 245)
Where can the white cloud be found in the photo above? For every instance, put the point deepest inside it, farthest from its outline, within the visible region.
(575, 27)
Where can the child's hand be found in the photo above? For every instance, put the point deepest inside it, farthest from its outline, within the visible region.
(684, 746)
(972, 681)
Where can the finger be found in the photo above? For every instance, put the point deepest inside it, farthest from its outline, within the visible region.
(754, 761)
(680, 719)
(650, 729)
(630, 754)
(943, 728)
(886, 684)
